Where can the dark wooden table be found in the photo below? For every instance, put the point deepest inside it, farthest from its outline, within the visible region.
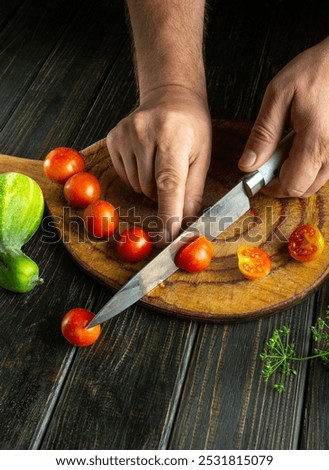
(152, 381)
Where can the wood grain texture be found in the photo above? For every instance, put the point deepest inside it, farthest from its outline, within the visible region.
(167, 382)
(26, 34)
(219, 293)
(315, 418)
(63, 90)
(225, 404)
(34, 357)
(123, 388)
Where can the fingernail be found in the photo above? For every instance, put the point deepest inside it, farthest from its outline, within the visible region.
(248, 158)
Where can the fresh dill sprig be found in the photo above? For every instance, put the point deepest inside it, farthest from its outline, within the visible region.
(279, 353)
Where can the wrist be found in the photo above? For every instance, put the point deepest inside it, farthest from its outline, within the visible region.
(174, 93)
(168, 44)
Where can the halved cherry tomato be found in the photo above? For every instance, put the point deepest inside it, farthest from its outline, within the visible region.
(254, 263)
(101, 219)
(82, 189)
(196, 255)
(134, 244)
(61, 163)
(74, 327)
(305, 243)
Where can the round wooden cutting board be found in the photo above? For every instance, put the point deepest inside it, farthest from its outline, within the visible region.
(219, 293)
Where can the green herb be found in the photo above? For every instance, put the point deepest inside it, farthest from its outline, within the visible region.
(279, 353)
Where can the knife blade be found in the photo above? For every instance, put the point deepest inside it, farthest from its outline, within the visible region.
(211, 223)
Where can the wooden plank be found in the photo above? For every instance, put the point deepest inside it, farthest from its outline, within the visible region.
(225, 404)
(33, 353)
(315, 423)
(35, 359)
(116, 98)
(123, 386)
(64, 89)
(8, 10)
(26, 41)
(235, 49)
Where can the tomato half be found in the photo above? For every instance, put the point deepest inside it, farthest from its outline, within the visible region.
(254, 263)
(101, 219)
(305, 243)
(134, 244)
(74, 327)
(196, 255)
(61, 163)
(82, 189)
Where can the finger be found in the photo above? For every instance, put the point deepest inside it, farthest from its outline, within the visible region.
(300, 173)
(145, 166)
(131, 170)
(321, 179)
(124, 161)
(171, 170)
(116, 157)
(119, 166)
(195, 187)
(267, 130)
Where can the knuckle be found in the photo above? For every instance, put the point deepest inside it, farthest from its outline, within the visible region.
(291, 189)
(281, 84)
(322, 154)
(138, 121)
(274, 88)
(140, 128)
(263, 133)
(110, 140)
(134, 126)
(174, 124)
(167, 181)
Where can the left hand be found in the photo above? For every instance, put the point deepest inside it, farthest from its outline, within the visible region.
(299, 94)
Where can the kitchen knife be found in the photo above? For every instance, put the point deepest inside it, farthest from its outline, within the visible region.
(211, 223)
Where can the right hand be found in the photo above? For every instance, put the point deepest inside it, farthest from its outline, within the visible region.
(298, 95)
(162, 149)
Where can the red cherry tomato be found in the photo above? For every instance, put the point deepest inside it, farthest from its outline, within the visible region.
(82, 189)
(195, 256)
(61, 163)
(254, 263)
(101, 219)
(74, 327)
(305, 243)
(134, 244)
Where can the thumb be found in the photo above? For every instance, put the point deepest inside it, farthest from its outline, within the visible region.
(266, 132)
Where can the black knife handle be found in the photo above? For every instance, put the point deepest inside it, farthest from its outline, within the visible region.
(260, 178)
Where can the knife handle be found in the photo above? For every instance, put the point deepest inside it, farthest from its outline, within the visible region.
(260, 178)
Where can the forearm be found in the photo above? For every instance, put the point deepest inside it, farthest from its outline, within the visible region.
(168, 40)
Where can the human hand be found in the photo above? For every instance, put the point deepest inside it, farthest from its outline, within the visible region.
(299, 94)
(162, 149)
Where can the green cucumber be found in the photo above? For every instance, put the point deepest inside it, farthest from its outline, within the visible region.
(21, 211)
(18, 272)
